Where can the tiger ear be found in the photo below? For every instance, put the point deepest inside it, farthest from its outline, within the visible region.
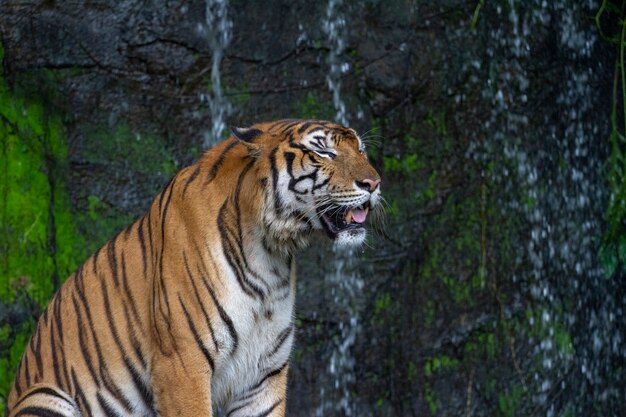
(246, 136)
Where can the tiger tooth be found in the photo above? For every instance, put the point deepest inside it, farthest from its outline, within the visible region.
(349, 216)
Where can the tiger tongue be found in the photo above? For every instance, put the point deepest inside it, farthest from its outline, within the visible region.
(357, 215)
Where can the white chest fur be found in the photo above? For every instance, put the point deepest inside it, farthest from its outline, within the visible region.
(264, 333)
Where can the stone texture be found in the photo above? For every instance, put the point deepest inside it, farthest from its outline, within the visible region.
(433, 339)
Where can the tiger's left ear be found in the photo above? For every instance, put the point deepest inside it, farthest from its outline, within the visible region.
(246, 136)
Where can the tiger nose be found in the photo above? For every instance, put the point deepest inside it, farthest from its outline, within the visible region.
(368, 184)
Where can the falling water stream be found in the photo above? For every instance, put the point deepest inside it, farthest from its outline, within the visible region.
(345, 284)
(218, 31)
(334, 26)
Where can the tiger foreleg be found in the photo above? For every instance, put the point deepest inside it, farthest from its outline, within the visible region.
(267, 398)
(182, 386)
(45, 400)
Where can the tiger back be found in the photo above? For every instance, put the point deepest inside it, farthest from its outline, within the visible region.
(191, 308)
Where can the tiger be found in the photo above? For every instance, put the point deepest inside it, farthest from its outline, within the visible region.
(190, 309)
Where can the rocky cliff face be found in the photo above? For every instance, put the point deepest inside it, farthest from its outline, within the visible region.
(475, 112)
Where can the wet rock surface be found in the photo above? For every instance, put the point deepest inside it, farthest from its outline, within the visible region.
(475, 252)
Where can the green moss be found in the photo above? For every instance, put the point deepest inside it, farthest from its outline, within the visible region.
(510, 401)
(382, 303)
(613, 251)
(431, 400)
(38, 234)
(39, 242)
(429, 313)
(240, 97)
(149, 154)
(412, 371)
(313, 107)
(459, 291)
(440, 364)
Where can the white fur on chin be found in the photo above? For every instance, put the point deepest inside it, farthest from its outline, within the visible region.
(350, 238)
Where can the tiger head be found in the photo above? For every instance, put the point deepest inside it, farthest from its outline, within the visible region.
(319, 180)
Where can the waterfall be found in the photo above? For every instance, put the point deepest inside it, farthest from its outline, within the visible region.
(345, 285)
(334, 26)
(218, 31)
(554, 182)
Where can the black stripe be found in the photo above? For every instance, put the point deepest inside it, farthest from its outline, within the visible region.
(167, 204)
(26, 370)
(113, 260)
(83, 346)
(280, 125)
(269, 410)
(236, 262)
(291, 124)
(161, 285)
(127, 232)
(219, 161)
(238, 222)
(278, 202)
(234, 410)
(56, 307)
(149, 221)
(142, 244)
(78, 274)
(191, 178)
(55, 360)
(196, 335)
(140, 385)
(114, 390)
(154, 319)
(225, 318)
(268, 376)
(57, 324)
(116, 337)
(37, 353)
(138, 352)
(65, 373)
(131, 297)
(200, 303)
(223, 315)
(304, 127)
(280, 340)
(45, 314)
(321, 184)
(103, 369)
(317, 129)
(38, 411)
(95, 260)
(106, 407)
(110, 318)
(293, 181)
(133, 338)
(162, 195)
(41, 390)
(80, 395)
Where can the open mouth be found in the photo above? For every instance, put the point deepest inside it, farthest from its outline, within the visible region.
(338, 219)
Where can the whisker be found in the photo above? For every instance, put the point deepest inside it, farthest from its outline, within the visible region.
(317, 204)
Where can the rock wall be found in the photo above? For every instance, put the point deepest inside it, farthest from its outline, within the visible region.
(457, 99)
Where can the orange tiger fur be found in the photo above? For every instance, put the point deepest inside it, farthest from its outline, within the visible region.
(191, 307)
